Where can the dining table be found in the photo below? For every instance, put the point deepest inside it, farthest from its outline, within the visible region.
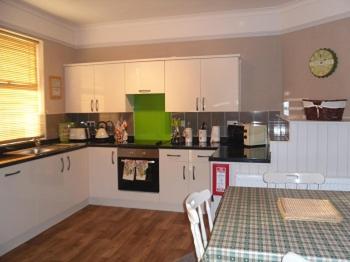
(249, 227)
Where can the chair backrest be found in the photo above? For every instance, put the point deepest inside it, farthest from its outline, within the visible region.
(292, 257)
(293, 178)
(194, 204)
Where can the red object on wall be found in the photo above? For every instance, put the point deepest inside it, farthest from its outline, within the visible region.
(221, 178)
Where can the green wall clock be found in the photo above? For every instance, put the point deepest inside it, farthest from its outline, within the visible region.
(323, 62)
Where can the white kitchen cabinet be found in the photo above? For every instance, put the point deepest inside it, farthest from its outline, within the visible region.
(49, 181)
(103, 180)
(96, 88)
(79, 89)
(174, 175)
(181, 173)
(220, 84)
(144, 77)
(17, 201)
(182, 85)
(202, 84)
(199, 170)
(76, 177)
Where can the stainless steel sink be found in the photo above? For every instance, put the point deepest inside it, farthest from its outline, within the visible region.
(42, 149)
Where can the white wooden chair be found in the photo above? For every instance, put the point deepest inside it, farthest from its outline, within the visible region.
(294, 178)
(194, 203)
(292, 257)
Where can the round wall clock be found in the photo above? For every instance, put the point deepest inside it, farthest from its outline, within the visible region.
(323, 62)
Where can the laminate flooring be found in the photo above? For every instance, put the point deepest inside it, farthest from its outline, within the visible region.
(99, 233)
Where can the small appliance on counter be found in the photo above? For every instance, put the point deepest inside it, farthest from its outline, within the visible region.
(255, 134)
(235, 135)
(64, 131)
(215, 134)
(101, 133)
(78, 134)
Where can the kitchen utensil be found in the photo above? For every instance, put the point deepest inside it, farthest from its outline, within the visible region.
(101, 132)
(202, 135)
(188, 135)
(215, 134)
(110, 128)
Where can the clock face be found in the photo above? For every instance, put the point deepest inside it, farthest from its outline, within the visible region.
(323, 62)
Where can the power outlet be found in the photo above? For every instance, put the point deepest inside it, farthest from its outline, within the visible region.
(232, 122)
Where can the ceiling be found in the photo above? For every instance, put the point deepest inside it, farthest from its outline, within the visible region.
(83, 12)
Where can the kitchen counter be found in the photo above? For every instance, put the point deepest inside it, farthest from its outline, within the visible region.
(223, 152)
(232, 154)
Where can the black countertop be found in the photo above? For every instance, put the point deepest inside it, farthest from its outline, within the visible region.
(247, 154)
(223, 152)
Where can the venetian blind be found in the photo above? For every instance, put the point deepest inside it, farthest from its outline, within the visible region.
(20, 97)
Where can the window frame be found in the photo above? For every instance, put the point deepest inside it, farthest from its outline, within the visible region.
(41, 86)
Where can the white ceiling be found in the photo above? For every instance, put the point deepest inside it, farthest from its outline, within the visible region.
(83, 12)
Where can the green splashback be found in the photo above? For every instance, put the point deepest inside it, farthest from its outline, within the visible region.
(150, 119)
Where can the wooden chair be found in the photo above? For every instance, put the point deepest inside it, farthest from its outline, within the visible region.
(294, 178)
(194, 203)
(292, 257)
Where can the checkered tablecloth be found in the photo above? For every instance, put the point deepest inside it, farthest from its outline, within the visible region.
(249, 227)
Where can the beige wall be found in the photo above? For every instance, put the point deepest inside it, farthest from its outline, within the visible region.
(261, 67)
(297, 48)
(55, 56)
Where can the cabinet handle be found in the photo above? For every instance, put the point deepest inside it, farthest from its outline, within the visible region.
(203, 103)
(68, 159)
(92, 105)
(183, 172)
(173, 155)
(97, 105)
(112, 157)
(196, 103)
(201, 156)
(193, 176)
(13, 173)
(62, 163)
(144, 90)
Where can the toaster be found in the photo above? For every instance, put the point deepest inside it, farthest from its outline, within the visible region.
(78, 133)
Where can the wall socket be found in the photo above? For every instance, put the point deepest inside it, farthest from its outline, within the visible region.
(232, 122)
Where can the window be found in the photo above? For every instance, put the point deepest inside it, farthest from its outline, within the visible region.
(20, 95)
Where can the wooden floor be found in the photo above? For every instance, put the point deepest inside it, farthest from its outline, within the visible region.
(99, 233)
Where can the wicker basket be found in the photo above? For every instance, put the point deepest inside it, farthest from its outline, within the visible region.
(326, 110)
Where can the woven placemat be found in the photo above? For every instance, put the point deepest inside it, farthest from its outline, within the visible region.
(317, 210)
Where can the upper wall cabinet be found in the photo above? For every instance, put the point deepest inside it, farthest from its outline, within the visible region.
(95, 88)
(205, 84)
(182, 85)
(220, 84)
(144, 77)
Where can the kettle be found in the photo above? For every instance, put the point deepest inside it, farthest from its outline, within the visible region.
(101, 130)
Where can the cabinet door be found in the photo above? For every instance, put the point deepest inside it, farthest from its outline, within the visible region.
(79, 89)
(49, 180)
(199, 170)
(182, 85)
(174, 176)
(103, 181)
(110, 88)
(144, 77)
(76, 177)
(17, 201)
(220, 84)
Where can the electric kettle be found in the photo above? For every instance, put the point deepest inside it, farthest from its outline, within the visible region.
(101, 132)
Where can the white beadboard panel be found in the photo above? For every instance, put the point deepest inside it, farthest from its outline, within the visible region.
(322, 147)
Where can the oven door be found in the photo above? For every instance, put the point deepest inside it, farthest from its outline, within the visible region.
(138, 174)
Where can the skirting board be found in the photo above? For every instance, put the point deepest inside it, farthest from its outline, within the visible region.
(8, 246)
(136, 204)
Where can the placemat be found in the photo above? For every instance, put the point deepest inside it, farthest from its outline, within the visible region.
(317, 210)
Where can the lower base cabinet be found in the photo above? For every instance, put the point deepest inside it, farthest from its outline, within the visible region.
(34, 192)
(181, 173)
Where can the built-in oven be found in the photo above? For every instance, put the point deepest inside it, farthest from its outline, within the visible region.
(138, 169)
